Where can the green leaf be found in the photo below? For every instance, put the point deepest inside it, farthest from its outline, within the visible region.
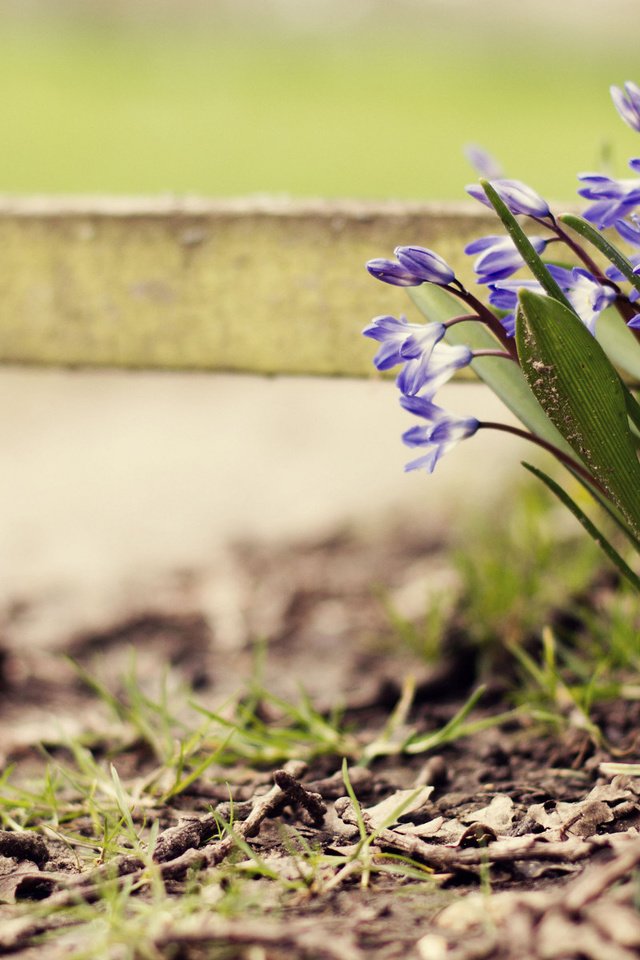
(504, 377)
(586, 230)
(618, 342)
(524, 245)
(581, 393)
(590, 527)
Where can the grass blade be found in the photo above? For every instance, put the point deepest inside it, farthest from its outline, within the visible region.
(588, 525)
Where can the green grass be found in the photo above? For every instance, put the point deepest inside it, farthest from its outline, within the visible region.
(104, 797)
(376, 114)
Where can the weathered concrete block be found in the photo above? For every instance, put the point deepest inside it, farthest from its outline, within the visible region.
(259, 286)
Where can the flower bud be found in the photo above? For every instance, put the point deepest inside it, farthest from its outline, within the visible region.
(426, 264)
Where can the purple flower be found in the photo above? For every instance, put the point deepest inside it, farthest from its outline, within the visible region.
(519, 198)
(441, 432)
(389, 271)
(503, 295)
(629, 231)
(481, 161)
(627, 103)
(402, 341)
(614, 199)
(618, 276)
(426, 264)
(499, 256)
(426, 373)
(586, 295)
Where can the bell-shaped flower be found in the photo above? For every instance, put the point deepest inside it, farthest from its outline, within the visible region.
(441, 432)
(482, 161)
(400, 340)
(503, 295)
(586, 295)
(629, 231)
(390, 271)
(614, 199)
(499, 257)
(519, 198)
(627, 103)
(426, 264)
(426, 373)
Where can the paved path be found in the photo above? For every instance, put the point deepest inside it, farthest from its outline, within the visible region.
(107, 474)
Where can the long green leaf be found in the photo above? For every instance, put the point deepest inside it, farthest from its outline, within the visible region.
(589, 232)
(613, 346)
(590, 527)
(581, 393)
(618, 342)
(504, 377)
(524, 245)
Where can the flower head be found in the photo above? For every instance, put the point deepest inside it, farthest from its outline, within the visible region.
(627, 103)
(586, 295)
(402, 341)
(629, 231)
(481, 161)
(390, 271)
(427, 372)
(519, 198)
(441, 432)
(499, 256)
(415, 265)
(614, 199)
(426, 264)
(503, 295)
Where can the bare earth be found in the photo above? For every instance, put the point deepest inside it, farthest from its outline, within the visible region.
(523, 845)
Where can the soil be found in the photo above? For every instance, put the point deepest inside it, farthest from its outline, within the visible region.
(523, 842)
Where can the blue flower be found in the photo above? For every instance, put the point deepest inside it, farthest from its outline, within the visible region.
(586, 295)
(426, 264)
(486, 165)
(415, 265)
(627, 103)
(390, 271)
(614, 199)
(499, 256)
(503, 295)
(402, 341)
(441, 432)
(519, 198)
(426, 373)
(629, 231)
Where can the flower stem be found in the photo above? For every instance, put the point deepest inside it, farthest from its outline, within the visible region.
(485, 316)
(560, 455)
(462, 319)
(492, 353)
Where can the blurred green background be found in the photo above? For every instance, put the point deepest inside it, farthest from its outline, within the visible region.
(310, 98)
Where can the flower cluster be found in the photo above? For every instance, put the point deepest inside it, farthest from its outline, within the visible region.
(427, 360)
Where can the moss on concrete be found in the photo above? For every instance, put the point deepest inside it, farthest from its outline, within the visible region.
(261, 287)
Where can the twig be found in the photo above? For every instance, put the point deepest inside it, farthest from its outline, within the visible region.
(87, 888)
(306, 937)
(594, 883)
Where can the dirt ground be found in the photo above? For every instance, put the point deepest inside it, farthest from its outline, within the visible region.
(513, 842)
